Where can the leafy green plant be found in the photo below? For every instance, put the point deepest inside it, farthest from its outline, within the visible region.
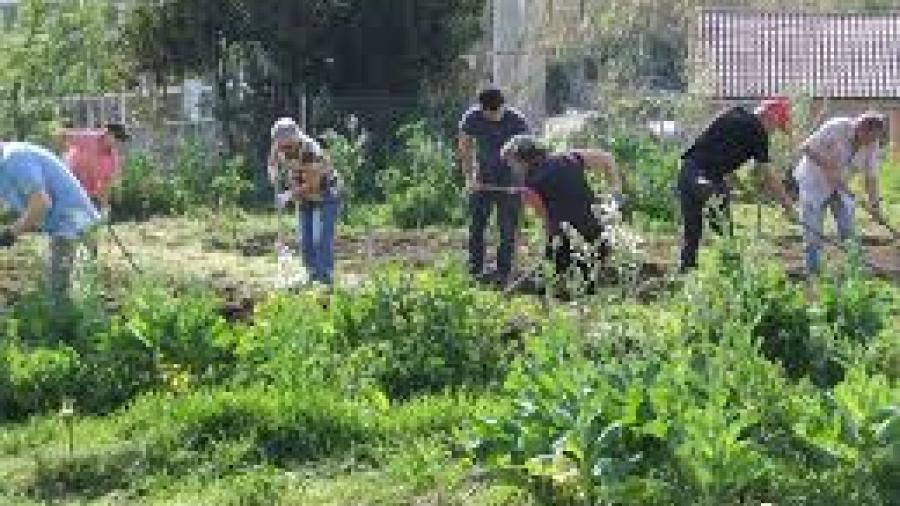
(348, 155)
(414, 333)
(749, 395)
(34, 380)
(155, 341)
(147, 188)
(809, 339)
(420, 183)
(650, 169)
(228, 187)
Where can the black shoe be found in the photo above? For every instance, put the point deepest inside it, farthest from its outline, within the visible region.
(502, 279)
(482, 278)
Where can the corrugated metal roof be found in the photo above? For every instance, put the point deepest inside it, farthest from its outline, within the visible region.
(743, 54)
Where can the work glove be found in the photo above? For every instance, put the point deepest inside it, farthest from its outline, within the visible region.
(272, 172)
(473, 187)
(618, 199)
(281, 199)
(7, 237)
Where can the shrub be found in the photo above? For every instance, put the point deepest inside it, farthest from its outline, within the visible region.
(146, 188)
(650, 169)
(157, 340)
(421, 182)
(713, 423)
(35, 380)
(808, 338)
(424, 333)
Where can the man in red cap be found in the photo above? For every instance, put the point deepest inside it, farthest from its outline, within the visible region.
(735, 136)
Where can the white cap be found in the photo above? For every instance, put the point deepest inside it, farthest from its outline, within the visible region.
(286, 129)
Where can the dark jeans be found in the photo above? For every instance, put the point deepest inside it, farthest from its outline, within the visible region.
(508, 209)
(694, 196)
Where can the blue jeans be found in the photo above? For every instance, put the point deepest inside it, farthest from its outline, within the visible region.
(317, 222)
(813, 216)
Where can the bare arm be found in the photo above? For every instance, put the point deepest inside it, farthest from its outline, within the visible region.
(466, 152)
(38, 204)
(272, 165)
(604, 162)
(775, 186)
(874, 200)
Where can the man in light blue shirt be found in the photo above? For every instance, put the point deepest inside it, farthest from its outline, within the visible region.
(36, 185)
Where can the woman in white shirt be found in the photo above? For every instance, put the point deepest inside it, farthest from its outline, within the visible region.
(312, 183)
(829, 156)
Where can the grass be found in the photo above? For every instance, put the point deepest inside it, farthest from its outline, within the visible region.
(206, 446)
(252, 442)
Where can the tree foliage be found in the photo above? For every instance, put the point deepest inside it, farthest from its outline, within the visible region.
(644, 43)
(53, 50)
(265, 54)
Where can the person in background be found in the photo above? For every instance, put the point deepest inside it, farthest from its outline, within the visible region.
(483, 130)
(557, 184)
(94, 156)
(40, 188)
(298, 162)
(829, 156)
(735, 136)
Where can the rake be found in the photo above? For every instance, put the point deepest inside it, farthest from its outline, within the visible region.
(842, 247)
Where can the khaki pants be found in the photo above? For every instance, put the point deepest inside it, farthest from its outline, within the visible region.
(61, 266)
(59, 270)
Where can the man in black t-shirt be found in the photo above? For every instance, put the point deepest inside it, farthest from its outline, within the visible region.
(560, 182)
(734, 137)
(483, 130)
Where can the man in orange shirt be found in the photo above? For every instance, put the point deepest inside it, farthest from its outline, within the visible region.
(94, 157)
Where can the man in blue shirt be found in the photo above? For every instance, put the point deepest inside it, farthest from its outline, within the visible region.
(483, 131)
(37, 186)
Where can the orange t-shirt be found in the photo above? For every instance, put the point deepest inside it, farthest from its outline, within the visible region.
(93, 158)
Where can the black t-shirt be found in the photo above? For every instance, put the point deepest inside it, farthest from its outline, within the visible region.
(490, 136)
(561, 183)
(732, 138)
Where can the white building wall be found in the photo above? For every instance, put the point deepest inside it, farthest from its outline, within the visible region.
(519, 62)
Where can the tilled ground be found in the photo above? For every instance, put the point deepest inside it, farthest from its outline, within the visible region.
(249, 265)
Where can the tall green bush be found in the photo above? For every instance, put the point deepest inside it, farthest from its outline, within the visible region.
(420, 183)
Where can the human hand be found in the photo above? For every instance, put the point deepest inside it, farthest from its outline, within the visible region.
(272, 171)
(281, 199)
(472, 185)
(618, 198)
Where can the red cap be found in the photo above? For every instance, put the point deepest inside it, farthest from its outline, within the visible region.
(778, 109)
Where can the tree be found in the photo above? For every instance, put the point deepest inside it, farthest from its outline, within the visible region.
(644, 43)
(54, 52)
(273, 52)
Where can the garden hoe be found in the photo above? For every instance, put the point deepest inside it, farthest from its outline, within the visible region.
(878, 269)
(879, 220)
(123, 249)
